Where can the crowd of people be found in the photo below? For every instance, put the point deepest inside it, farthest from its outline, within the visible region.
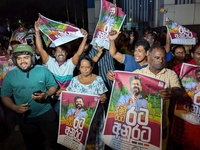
(78, 66)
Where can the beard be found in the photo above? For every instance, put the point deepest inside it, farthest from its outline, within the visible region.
(112, 15)
(27, 69)
(198, 79)
(10, 64)
(136, 91)
(79, 106)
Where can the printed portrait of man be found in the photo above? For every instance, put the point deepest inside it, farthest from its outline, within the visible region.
(78, 111)
(134, 98)
(109, 19)
(194, 86)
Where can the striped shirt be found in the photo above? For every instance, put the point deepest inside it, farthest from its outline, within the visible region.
(64, 73)
(105, 63)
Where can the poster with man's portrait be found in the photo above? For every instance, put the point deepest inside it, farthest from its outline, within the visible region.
(19, 35)
(134, 117)
(3, 65)
(57, 32)
(188, 106)
(76, 115)
(180, 34)
(111, 18)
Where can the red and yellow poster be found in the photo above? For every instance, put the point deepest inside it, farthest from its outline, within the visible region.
(188, 107)
(180, 34)
(19, 35)
(111, 17)
(59, 33)
(3, 64)
(134, 117)
(76, 115)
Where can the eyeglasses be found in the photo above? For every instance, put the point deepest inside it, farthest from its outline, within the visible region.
(198, 53)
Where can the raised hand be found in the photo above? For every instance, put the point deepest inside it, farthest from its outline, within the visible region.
(84, 32)
(113, 34)
(36, 26)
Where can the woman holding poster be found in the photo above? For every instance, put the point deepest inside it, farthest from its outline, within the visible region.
(186, 124)
(89, 83)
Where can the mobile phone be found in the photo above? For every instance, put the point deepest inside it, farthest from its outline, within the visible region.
(35, 93)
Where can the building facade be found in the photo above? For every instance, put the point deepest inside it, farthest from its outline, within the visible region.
(143, 13)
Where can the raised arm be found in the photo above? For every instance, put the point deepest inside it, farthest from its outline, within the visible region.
(76, 56)
(112, 49)
(132, 38)
(168, 43)
(39, 45)
(99, 53)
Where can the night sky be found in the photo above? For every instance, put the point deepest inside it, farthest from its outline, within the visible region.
(27, 11)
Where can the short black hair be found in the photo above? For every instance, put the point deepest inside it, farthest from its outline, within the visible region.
(177, 46)
(86, 57)
(195, 47)
(63, 47)
(143, 43)
(78, 97)
(156, 47)
(15, 55)
(134, 78)
(153, 34)
(112, 6)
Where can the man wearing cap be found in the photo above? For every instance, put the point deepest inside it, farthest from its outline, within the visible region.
(34, 113)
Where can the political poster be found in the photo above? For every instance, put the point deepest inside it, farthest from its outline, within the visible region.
(111, 17)
(180, 34)
(3, 64)
(59, 33)
(47, 41)
(188, 106)
(134, 117)
(76, 115)
(19, 35)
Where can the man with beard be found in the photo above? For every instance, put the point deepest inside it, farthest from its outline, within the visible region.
(195, 86)
(34, 113)
(78, 111)
(61, 67)
(9, 67)
(109, 19)
(134, 99)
